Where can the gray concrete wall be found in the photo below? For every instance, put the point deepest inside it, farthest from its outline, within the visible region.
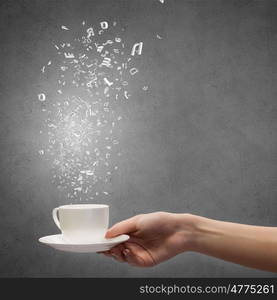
(201, 140)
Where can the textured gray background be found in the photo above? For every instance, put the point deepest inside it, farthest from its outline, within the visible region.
(201, 140)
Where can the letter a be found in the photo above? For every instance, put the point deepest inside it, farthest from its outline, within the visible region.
(137, 48)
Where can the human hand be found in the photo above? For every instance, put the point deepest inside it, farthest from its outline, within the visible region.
(158, 236)
(154, 238)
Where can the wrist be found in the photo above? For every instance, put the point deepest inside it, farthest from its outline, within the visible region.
(190, 227)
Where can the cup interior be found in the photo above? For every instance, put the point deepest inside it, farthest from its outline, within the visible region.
(83, 206)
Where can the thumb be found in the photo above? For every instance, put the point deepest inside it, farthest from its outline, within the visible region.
(126, 226)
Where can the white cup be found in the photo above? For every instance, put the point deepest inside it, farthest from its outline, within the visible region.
(82, 223)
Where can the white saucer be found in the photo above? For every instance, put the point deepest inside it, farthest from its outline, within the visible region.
(56, 241)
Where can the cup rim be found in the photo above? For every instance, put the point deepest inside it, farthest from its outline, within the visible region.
(84, 206)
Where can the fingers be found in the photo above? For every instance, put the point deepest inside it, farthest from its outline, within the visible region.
(106, 253)
(121, 255)
(131, 253)
(134, 256)
(129, 257)
(126, 226)
(116, 253)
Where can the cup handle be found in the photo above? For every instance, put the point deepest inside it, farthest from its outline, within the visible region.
(55, 217)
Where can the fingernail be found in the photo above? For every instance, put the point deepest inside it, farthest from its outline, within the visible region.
(126, 251)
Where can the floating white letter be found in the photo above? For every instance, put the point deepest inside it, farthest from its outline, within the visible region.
(137, 48)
